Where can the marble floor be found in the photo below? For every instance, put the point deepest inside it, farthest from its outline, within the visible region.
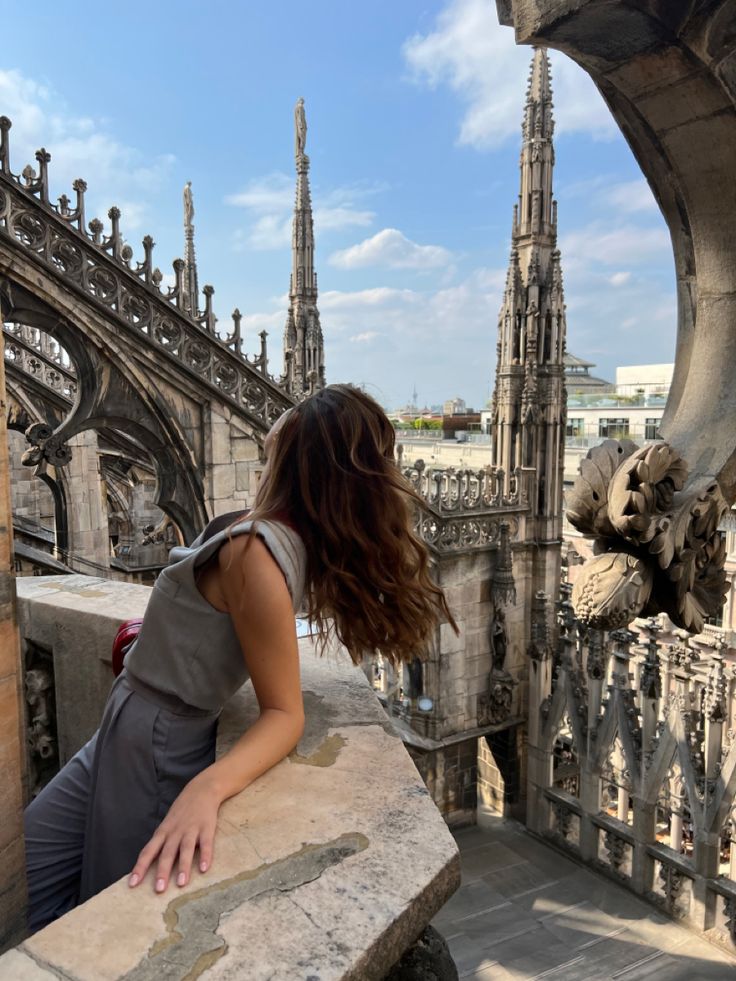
(526, 912)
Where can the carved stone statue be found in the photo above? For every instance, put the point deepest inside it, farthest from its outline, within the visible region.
(495, 705)
(39, 687)
(499, 640)
(188, 204)
(415, 678)
(300, 126)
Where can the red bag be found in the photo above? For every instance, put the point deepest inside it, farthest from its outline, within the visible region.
(124, 639)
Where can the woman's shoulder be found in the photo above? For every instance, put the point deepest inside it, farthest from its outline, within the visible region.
(284, 544)
(221, 523)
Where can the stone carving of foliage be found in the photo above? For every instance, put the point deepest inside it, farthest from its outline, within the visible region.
(672, 883)
(661, 549)
(587, 502)
(563, 818)
(616, 848)
(612, 591)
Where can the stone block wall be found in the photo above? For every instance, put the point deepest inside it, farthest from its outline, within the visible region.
(458, 675)
(450, 774)
(501, 775)
(12, 754)
(50, 610)
(142, 505)
(31, 498)
(462, 772)
(232, 463)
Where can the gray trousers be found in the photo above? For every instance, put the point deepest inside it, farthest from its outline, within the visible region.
(86, 827)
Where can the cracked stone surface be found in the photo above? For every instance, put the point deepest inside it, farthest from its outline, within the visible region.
(328, 867)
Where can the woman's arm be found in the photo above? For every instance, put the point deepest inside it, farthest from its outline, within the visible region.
(257, 598)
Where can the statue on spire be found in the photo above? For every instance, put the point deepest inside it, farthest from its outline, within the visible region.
(304, 360)
(300, 125)
(188, 204)
(191, 286)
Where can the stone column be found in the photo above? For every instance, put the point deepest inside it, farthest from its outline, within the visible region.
(676, 825)
(732, 849)
(644, 827)
(539, 743)
(12, 758)
(87, 512)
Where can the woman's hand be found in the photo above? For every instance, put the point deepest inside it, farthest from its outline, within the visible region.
(190, 823)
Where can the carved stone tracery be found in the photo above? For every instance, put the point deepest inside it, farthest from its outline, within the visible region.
(100, 267)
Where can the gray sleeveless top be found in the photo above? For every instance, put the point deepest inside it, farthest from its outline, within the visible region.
(187, 648)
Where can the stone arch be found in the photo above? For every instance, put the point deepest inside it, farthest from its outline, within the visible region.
(115, 392)
(22, 413)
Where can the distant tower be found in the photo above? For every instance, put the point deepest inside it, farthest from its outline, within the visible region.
(528, 406)
(191, 289)
(304, 362)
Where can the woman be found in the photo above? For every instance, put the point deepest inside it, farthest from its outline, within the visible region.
(331, 529)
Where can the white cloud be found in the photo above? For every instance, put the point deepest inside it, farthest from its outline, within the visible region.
(620, 278)
(269, 201)
(274, 192)
(377, 296)
(469, 51)
(80, 147)
(444, 339)
(598, 243)
(391, 248)
(631, 197)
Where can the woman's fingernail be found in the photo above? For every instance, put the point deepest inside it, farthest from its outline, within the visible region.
(160, 885)
(202, 866)
(181, 879)
(134, 880)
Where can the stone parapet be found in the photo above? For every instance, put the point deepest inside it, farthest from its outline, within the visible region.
(330, 865)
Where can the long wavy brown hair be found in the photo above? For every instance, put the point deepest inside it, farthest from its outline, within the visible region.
(331, 474)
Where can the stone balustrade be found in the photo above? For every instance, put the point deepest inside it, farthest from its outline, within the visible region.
(329, 866)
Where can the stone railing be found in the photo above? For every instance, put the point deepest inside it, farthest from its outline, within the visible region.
(330, 865)
(634, 765)
(464, 508)
(24, 350)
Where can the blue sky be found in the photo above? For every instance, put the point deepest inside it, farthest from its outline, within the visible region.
(414, 113)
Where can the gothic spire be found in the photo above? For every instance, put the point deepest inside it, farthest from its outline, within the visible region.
(536, 214)
(303, 344)
(529, 398)
(191, 287)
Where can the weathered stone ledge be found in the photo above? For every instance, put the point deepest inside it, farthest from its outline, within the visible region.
(328, 867)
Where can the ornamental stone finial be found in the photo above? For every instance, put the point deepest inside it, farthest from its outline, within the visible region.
(300, 127)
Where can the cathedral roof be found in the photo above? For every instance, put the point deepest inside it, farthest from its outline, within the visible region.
(572, 361)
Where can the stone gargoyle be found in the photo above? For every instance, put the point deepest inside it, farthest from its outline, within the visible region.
(656, 537)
